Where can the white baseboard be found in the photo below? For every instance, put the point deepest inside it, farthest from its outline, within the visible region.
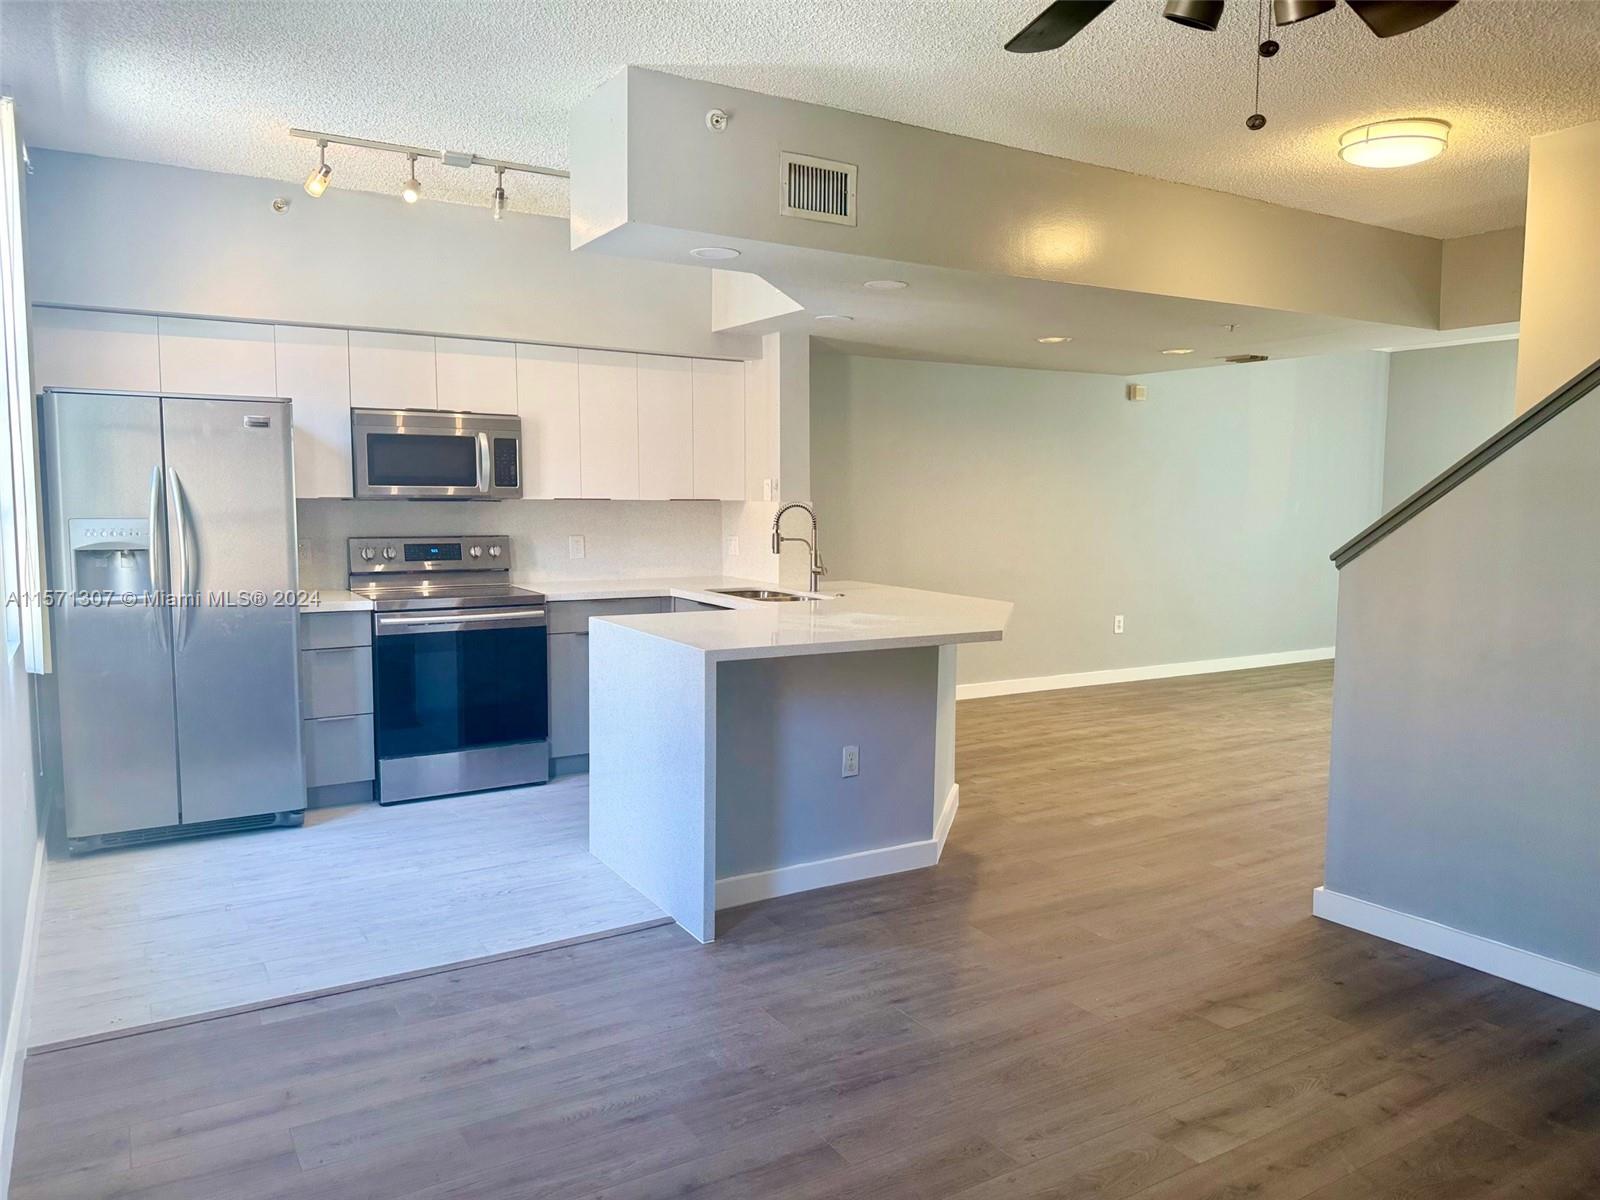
(16, 1045)
(1205, 666)
(845, 868)
(1548, 975)
(946, 818)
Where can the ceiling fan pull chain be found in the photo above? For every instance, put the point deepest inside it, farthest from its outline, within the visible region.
(1257, 120)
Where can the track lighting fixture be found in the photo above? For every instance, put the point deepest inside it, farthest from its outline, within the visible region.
(317, 181)
(411, 190)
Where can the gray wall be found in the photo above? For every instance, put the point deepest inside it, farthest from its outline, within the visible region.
(1467, 700)
(1205, 514)
(781, 726)
(1443, 403)
(107, 233)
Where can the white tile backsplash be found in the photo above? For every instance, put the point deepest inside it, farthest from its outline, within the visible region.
(622, 539)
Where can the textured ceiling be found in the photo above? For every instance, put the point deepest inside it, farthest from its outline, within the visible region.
(215, 86)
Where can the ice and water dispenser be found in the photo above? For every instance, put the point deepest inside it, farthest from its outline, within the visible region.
(110, 555)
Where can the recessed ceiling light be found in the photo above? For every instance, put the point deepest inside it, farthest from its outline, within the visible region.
(714, 252)
(1052, 341)
(1395, 143)
(833, 317)
(1180, 350)
(885, 285)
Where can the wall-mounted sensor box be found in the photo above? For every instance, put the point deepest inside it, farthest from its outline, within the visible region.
(1137, 391)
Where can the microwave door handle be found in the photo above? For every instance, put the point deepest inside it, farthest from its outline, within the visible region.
(485, 470)
(158, 555)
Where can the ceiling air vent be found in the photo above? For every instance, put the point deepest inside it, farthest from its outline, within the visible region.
(1245, 358)
(817, 190)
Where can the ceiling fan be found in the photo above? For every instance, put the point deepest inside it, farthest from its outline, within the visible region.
(1060, 22)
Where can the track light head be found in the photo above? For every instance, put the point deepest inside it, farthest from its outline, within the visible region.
(1287, 12)
(1196, 14)
(411, 192)
(499, 192)
(317, 181)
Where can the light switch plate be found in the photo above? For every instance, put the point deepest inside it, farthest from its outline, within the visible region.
(575, 546)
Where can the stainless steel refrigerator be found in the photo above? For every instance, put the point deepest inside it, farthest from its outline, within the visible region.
(173, 570)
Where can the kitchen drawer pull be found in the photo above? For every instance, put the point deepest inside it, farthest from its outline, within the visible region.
(505, 618)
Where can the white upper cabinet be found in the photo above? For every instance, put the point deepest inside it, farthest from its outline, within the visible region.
(476, 376)
(608, 416)
(547, 402)
(719, 451)
(216, 358)
(314, 372)
(114, 351)
(666, 428)
(392, 370)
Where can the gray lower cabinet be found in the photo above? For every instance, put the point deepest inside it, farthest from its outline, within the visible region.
(336, 730)
(569, 694)
(569, 665)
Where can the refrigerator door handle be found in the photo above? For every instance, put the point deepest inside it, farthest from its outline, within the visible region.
(187, 572)
(158, 555)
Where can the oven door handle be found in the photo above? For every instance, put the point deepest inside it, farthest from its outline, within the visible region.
(457, 622)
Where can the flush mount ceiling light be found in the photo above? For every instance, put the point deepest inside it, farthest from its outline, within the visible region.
(1055, 340)
(317, 181)
(714, 253)
(1180, 350)
(884, 285)
(833, 317)
(1403, 143)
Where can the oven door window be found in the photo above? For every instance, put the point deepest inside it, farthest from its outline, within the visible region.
(439, 692)
(422, 460)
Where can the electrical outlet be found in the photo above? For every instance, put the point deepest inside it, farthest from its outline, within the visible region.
(575, 546)
(733, 547)
(769, 489)
(851, 766)
(1116, 623)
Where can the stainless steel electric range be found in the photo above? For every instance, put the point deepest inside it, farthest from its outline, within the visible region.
(460, 666)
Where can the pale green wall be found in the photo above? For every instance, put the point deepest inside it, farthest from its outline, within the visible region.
(1204, 514)
(1442, 404)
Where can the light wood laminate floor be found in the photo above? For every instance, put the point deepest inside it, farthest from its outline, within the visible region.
(167, 931)
(1110, 988)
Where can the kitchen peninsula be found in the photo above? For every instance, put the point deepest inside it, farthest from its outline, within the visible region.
(776, 747)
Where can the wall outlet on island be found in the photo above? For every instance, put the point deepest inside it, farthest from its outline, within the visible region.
(575, 546)
(1116, 623)
(851, 766)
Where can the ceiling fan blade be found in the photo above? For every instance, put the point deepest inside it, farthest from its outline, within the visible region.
(1389, 18)
(1052, 28)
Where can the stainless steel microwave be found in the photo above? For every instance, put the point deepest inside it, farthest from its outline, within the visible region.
(415, 454)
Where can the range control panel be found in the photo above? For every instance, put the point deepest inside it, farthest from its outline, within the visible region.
(391, 555)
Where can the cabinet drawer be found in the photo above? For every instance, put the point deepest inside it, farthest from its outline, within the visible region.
(335, 683)
(572, 616)
(323, 630)
(681, 605)
(337, 750)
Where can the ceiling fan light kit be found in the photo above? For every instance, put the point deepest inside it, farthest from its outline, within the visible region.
(1196, 14)
(1387, 144)
(1289, 12)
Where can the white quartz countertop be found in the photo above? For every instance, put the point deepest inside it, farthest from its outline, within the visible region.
(844, 616)
(333, 600)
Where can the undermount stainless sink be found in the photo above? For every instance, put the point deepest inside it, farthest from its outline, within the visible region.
(757, 594)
